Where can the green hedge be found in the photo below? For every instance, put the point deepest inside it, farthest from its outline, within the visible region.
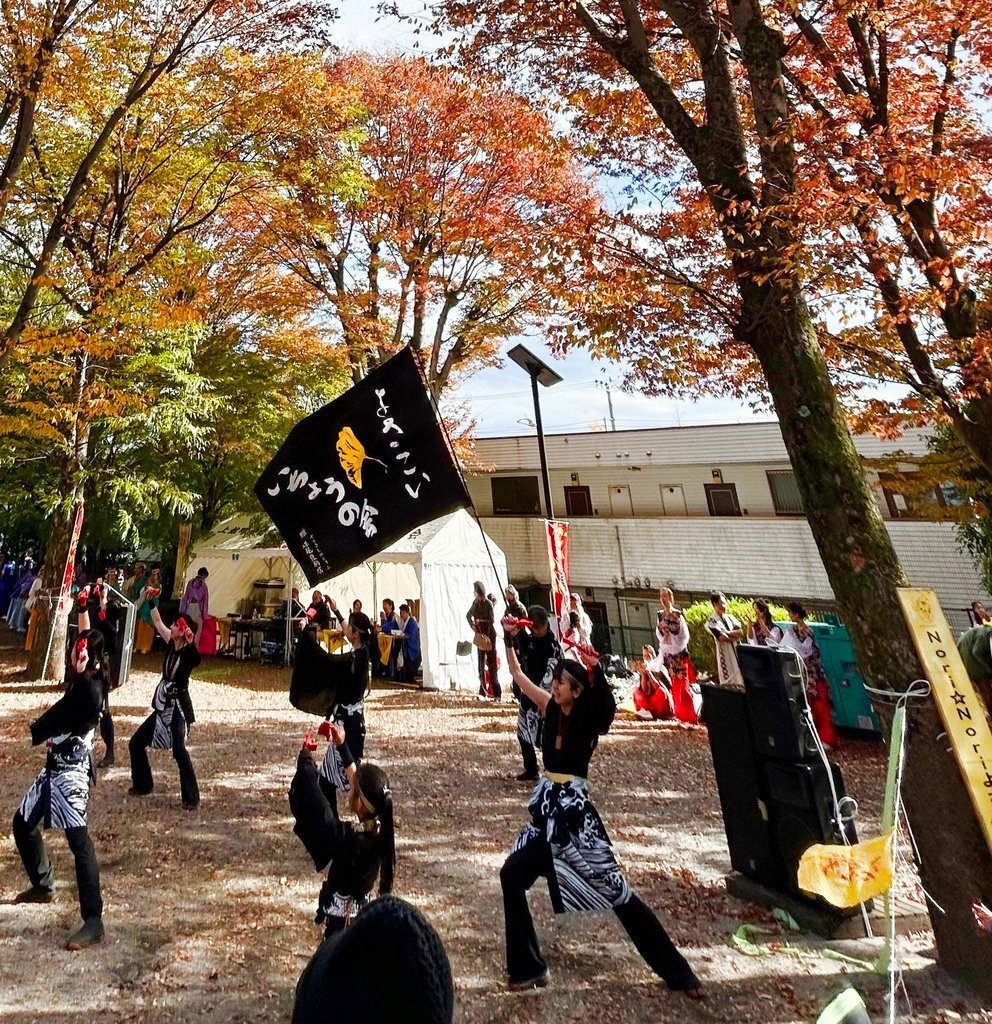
(701, 646)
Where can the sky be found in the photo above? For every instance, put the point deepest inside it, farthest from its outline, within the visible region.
(500, 398)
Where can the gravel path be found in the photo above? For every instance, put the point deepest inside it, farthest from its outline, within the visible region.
(209, 916)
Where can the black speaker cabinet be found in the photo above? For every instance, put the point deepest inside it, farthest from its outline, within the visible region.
(776, 703)
(745, 814)
(801, 812)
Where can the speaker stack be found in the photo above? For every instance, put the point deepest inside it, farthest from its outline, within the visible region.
(774, 787)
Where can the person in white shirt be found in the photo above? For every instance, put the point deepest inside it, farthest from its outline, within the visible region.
(584, 628)
(726, 632)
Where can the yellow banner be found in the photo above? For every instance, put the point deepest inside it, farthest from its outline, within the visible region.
(848, 875)
(960, 707)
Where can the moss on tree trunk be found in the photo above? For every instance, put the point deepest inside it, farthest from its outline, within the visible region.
(864, 572)
(56, 552)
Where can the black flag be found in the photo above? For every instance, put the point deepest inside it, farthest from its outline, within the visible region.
(362, 472)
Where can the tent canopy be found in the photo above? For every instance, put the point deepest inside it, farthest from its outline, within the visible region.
(437, 563)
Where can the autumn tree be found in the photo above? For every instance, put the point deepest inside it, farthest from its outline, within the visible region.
(697, 98)
(896, 151)
(130, 49)
(424, 210)
(106, 373)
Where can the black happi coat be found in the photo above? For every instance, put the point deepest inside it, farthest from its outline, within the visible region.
(350, 855)
(535, 654)
(75, 714)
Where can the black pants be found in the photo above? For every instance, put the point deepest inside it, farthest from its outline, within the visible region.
(410, 668)
(353, 724)
(107, 730)
(523, 952)
(34, 857)
(141, 770)
(490, 657)
(529, 755)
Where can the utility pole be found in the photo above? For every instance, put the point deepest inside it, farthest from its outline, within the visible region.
(609, 401)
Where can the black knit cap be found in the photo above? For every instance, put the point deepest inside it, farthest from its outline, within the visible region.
(388, 967)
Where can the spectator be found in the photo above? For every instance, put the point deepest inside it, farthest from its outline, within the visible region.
(30, 602)
(672, 632)
(362, 625)
(144, 634)
(481, 617)
(411, 654)
(802, 641)
(195, 602)
(726, 632)
(296, 609)
(24, 583)
(652, 696)
(8, 582)
(584, 628)
(388, 622)
(763, 630)
(361, 622)
(515, 609)
(979, 615)
(136, 582)
(321, 617)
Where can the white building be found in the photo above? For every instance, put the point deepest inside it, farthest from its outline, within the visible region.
(696, 509)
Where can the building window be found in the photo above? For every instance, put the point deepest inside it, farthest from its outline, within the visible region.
(906, 499)
(516, 496)
(786, 498)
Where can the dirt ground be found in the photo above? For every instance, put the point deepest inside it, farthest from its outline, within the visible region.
(209, 915)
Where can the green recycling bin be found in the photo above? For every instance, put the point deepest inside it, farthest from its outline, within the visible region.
(851, 704)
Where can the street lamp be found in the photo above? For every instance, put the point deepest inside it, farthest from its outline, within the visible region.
(540, 373)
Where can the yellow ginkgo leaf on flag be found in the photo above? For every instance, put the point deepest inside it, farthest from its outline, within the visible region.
(351, 453)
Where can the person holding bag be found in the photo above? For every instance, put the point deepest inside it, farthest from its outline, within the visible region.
(482, 618)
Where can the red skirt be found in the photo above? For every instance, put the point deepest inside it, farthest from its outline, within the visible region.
(655, 702)
(820, 705)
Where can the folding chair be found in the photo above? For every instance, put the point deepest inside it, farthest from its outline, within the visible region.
(463, 649)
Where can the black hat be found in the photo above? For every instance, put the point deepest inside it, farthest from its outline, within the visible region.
(388, 966)
(538, 615)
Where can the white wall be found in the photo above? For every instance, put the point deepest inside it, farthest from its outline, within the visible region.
(645, 483)
(771, 557)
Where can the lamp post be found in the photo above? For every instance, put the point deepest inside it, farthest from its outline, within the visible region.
(540, 373)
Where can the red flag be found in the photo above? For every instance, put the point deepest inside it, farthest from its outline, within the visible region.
(557, 532)
(77, 527)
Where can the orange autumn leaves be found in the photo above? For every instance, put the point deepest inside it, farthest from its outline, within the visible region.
(424, 209)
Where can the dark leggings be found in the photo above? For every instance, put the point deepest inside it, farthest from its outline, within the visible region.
(141, 769)
(524, 960)
(107, 731)
(31, 846)
(490, 657)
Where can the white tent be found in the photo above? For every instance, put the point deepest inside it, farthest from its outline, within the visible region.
(437, 563)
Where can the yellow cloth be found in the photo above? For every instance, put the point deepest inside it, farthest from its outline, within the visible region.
(628, 706)
(848, 875)
(32, 629)
(561, 779)
(144, 636)
(385, 647)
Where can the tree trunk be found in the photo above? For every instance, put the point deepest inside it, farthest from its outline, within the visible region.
(50, 622)
(955, 865)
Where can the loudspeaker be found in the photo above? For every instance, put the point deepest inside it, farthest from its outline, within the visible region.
(745, 813)
(776, 703)
(801, 812)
